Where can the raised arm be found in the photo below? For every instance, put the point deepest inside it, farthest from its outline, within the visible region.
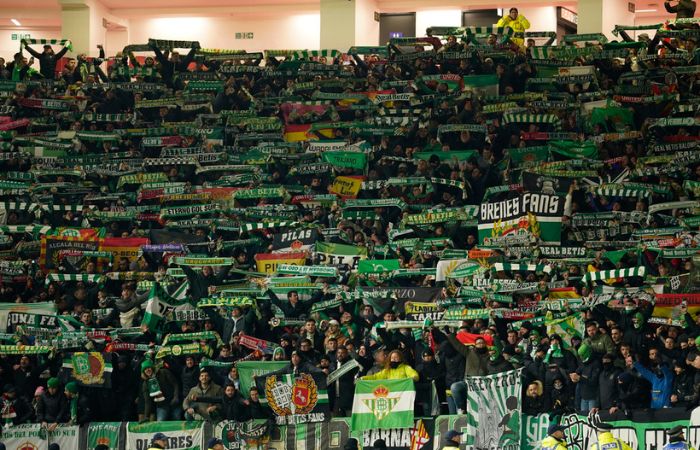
(31, 51)
(62, 52)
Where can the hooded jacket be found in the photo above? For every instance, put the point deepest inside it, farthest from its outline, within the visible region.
(661, 387)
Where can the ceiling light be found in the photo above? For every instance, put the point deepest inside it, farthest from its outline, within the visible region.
(16, 22)
(646, 10)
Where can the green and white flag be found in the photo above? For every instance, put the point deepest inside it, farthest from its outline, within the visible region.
(248, 369)
(158, 306)
(181, 435)
(567, 327)
(329, 254)
(493, 411)
(105, 433)
(383, 404)
(353, 160)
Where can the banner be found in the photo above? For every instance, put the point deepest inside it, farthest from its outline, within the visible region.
(493, 411)
(346, 187)
(32, 436)
(181, 435)
(93, 369)
(123, 247)
(12, 314)
(547, 184)
(268, 262)
(367, 266)
(568, 327)
(51, 247)
(250, 435)
(294, 240)
(294, 400)
(422, 311)
(334, 254)
(383, 404)
(669, 305)
(248, 369)
(104, 433)
(530, 216)
(160, 305)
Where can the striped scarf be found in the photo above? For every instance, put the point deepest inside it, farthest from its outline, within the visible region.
(78, 277)
(64, 42)
(171, 45)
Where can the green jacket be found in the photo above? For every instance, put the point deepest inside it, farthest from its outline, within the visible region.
(600, 343)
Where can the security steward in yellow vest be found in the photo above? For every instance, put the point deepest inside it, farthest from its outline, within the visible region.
(555, 438)
(606, 441)
(451, 440)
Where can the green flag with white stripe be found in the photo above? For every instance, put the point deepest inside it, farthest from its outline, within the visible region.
(383, 404)
(159, 305)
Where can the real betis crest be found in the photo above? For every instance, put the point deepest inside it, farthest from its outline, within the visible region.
(381, 405)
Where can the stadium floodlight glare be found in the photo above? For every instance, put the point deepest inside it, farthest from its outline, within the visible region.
(16, 22)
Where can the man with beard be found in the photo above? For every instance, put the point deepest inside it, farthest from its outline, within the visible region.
(196, 409)
(47, 59)
(232, 407)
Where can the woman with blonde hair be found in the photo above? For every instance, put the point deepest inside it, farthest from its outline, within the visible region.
(394, 368)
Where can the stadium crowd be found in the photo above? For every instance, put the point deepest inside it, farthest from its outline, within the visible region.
(408, 180)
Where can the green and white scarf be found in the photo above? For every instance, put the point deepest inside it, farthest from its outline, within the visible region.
(64, 42)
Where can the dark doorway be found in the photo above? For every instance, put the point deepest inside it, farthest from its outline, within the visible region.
(480, 18)
(567, 22)
(396, 26)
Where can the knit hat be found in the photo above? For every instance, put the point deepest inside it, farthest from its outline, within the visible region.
(53, 382)
(146, 364)
(72, 387)
(585, 352)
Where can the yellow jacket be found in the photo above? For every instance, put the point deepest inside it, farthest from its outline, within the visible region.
(518, 25)
(403, 371)
(608, 438)
(552, 443)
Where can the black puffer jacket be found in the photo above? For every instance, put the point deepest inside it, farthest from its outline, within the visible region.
(52, 408)
(454, 363)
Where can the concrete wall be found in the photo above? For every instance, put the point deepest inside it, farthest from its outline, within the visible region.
(301, 31)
